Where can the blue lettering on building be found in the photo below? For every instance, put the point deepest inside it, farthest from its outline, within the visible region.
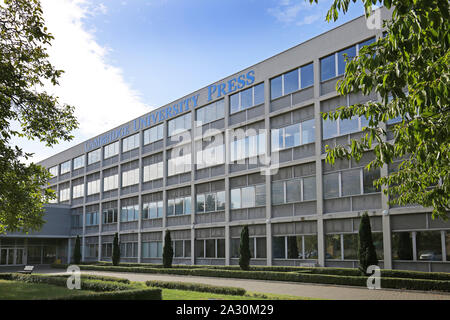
(143, 122)
(224, 88)
(214, 91)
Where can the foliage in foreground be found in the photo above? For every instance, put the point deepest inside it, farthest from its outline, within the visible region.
(24, 69)
(409, 69)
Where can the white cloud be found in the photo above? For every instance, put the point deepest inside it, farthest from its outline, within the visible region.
(309, 19)
(288, 11)
(101, 97)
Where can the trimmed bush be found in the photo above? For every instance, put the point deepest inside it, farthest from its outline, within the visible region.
(138, 294)
(314, 276)
(366, 250)
(96, 277)
(77, 251)
(116, 250)
(244, 249)
(188, 286)
(167, 251)
(87, 284)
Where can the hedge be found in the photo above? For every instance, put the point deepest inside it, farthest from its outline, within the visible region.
(196, 287)
(88, 284)
(136, 294)
(344, 278)
(406, 274)
(85, 276)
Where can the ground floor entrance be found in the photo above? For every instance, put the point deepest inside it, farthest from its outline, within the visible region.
(21, 251)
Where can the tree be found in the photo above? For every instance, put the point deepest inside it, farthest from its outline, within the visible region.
(366, 250)
(409, 69)
(116, 250)
(167, 251)
(244, 249)
(24, 68)
(77, 251)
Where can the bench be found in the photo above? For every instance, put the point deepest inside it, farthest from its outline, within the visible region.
(27, 270)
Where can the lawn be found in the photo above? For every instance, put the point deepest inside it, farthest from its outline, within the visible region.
(173, 294)
(18, 290)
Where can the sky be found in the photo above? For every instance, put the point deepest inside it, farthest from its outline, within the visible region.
(123, 58)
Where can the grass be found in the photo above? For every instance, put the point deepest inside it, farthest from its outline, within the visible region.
(17, 290)
(173, 294)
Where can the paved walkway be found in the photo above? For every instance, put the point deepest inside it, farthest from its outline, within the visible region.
(278, 287)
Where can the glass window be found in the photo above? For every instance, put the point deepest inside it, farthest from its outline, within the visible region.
(294, 247)
(179, 206)
(210, 248)
(261, 247)
(293, 191)
(292, 136)
(235, 198)
(53, 171)
(331, 185)
(276, 87)
(351, 182)
(279, 247)
(347, 126)
(221, 200)
(199, 249)
(327, 68)
(248, 197)
(179, 124)
(130, 143)
(78, 191)
(187, 205)
(65, 167)
(78, 162)
(258, 94)
(309, 188)
(291, 81)
(277, 139)
(377, 238)
(402, 246)
(235, 242)
(111, 150)
(368, 178)
(429, 245)
(247, 98)
(200, 203)
(210, 202)
(154, 134)
(260, 195)
(308, 131)
(170, 207)
(310, 243)
(234, 103)
(333, 246)
(94, 156)
(93, 187)
(447, 244)
(307, 75)
(351, 246)
(350, 52)
(277, 192)
(366, 43)
(329, 128)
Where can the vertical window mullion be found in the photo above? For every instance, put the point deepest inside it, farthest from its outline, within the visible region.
(342, 246)
(340, 183)
(443, 246)
(285, 247)
(301, 189)
(361, 181)
(282, 85)
(336, 69)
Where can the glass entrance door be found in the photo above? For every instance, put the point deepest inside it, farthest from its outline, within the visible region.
(11, 256)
